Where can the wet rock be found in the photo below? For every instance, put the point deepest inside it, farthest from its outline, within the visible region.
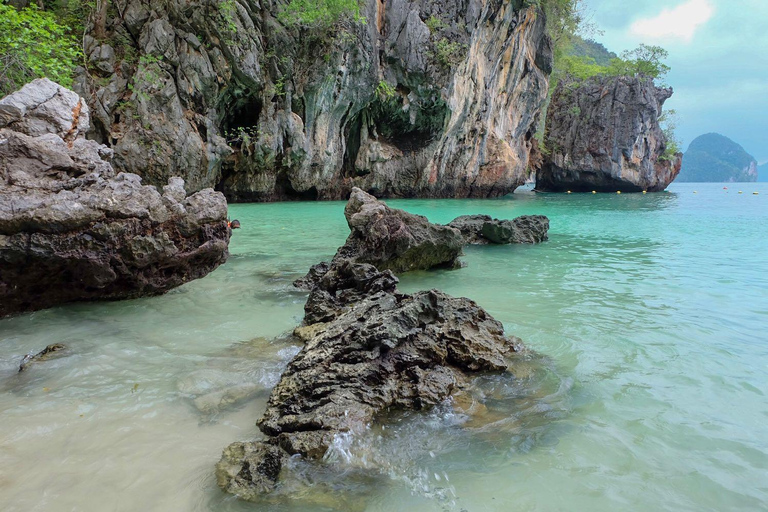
(379, 350)
(604, 135)
(43, 355)
(72, 229)
(394, 239)
(482, 229)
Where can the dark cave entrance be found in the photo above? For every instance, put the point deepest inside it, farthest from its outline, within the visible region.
(392, 120)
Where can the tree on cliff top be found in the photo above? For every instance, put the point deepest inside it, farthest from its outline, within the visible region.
(318, 13)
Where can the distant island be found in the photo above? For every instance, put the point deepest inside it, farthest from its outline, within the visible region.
(716, 158)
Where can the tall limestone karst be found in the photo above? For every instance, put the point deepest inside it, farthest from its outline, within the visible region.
(422, 98)
(603, 134)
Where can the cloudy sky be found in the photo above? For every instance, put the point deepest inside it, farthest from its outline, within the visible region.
(719, 58)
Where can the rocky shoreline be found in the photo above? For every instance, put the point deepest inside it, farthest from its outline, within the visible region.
(369, 348)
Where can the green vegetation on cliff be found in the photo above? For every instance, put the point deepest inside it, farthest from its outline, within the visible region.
(715, 158)
(34, 44)
(318, 13)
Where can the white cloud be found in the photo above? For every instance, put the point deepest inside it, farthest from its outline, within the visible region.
(679, 22)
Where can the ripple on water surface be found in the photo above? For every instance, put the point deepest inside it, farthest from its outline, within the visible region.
(646, 313)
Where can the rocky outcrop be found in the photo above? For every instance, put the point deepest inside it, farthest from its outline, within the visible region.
(482, 229)
(72, 229)
(426, 98)
(390, 239)
(377, 350)
(603, 134)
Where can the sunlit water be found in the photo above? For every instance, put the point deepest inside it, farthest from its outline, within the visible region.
(647, 390)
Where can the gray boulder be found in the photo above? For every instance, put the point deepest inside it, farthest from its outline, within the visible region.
(378, 350)
(72, 229)
(482, 229)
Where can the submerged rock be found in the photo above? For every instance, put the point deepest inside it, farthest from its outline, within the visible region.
(603, 134)
(72, 229)
(482, 229)
(378, 350)
(43, 355)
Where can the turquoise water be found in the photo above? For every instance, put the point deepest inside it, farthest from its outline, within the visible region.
(649, 391)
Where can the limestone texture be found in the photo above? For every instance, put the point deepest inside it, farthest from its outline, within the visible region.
(426, 98)
(72, 228)
(603, 134)
(378, 350)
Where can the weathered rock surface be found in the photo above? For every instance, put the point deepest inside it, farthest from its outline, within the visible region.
(603, 134)
(379, 350)
(224, 94)
(394, 239)
(482, 229)
(72, 229)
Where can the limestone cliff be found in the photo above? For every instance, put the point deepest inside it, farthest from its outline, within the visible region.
(424, 98)
(603, 134)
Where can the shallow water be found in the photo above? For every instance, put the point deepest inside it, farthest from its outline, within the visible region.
(649, 313)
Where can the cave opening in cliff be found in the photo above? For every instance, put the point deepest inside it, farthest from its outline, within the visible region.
(241, 113)
(409, 126)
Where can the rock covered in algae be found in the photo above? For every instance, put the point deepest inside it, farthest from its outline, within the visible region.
(378, 350)
(482, 229)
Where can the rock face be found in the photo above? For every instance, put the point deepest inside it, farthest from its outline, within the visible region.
(714, 158)
(378, 350)
(72, 229)
(427, 98)
(603, 134)
(482, 229)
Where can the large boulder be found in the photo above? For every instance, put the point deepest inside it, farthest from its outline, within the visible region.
(482, 229)
(377, 350)
(603, 134)
(394, 239)
(72, 229)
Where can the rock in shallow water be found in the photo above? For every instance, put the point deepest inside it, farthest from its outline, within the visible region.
(378, 350)
(482, 229)
(70, 229)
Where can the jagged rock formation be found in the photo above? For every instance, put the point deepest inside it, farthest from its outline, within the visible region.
(72, 229)
(377, 350)
(390, 239)
(482, 229)
(426, 98)
(715, 158)
(603, 134)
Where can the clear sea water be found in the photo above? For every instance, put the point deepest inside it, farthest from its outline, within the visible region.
(648, 315)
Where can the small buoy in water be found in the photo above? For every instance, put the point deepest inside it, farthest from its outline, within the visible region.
(695, 192)
(645, 191)
(594, 191)
(740, 192)
(569, 191)
(618, 191)
(755, 193)
(725, 188)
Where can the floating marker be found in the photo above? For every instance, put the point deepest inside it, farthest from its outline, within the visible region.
(645, 191)
(695, 192)
(725, 188)
(594, 191)
(755, 193)
(618, 191)
(740, 192)
(569, 191)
